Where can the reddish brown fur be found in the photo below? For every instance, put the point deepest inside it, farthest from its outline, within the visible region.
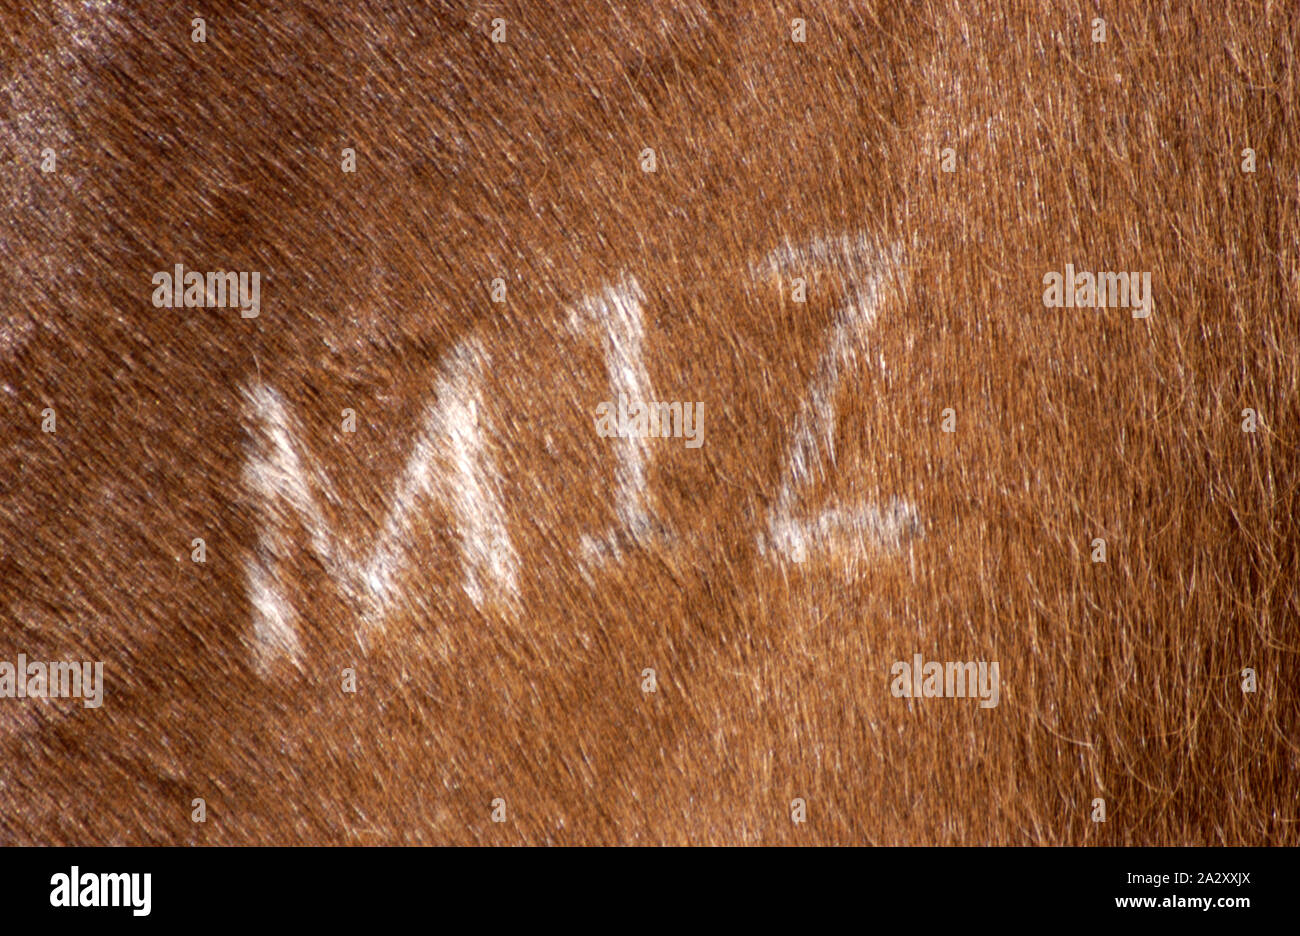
(520, 160)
